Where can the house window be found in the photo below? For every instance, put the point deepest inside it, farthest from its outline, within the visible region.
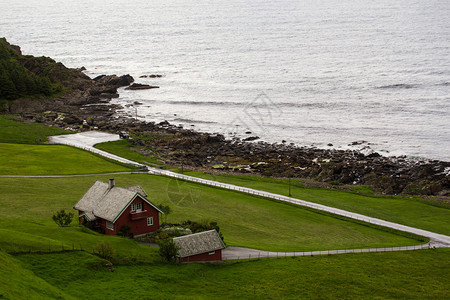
(150, 221)
(109, 225)
(136, 207)
(212, 252)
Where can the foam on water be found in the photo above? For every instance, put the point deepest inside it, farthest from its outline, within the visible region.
(308, 72)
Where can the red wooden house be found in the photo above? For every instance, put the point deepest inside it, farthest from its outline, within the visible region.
(202, 246)
(110, 209)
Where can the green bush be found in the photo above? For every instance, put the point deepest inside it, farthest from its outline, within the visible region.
(203, 225)
(168, 250)
(104, 250)
(62, 218)
(125, 231)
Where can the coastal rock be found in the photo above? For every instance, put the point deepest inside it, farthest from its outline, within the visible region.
(151, 76)
(114, 80)
(138, 86)
(251, 138)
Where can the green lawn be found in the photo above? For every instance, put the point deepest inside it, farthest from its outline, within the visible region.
(408, 211)
(396, 275)
(27, 205)
(25, 133)
(17, 282)
(22, 159)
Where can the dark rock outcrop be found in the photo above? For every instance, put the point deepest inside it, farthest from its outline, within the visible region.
(138, 86)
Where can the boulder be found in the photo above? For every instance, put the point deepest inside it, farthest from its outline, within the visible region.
(138, 86)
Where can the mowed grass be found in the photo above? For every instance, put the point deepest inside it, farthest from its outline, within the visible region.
(396, 275)
(23, 159)
(27, 205)
(17, 282)
(25, 133)
(413, 212)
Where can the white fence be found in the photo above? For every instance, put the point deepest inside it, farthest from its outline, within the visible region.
(265, 254)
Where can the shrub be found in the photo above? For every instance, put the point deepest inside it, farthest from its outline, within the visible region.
(203, 225)
(104, 250)
(168, 250)
(62, 218)
(124, 231)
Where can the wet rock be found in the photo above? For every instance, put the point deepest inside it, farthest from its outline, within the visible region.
(151, 76)
(251, 138)
(114, 80)
(138, 86)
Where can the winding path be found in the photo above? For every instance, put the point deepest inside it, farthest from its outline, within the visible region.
(87, 140)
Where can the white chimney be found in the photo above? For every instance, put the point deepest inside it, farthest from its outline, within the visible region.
(111, 183)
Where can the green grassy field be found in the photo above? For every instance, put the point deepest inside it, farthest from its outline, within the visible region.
(25, 133)
(27, 205)
(398, 275)
(22, 159)
(17, 282)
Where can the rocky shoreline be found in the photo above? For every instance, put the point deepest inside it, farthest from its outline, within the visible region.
(87, 107)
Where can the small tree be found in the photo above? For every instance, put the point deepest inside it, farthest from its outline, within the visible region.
(104, 250)
(168, 250)
(166, 209)
(62, 218)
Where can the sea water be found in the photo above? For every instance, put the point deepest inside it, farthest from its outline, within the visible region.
(314, 73)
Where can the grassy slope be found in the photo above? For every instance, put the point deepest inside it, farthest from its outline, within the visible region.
(408, 211)
(27, 205)
(16, 282)
(21, 159)
(398, 275)
(25, 133)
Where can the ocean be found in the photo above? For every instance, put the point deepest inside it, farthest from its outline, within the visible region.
(344, 74)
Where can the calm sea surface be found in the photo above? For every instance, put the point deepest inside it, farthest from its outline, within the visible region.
(307, 72)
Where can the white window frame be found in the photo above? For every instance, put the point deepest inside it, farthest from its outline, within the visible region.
(136, 207)
(110, 225)
(212, 253)
(149, 221)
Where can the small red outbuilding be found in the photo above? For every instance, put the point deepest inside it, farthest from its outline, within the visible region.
(202, 246)
(110, 209)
